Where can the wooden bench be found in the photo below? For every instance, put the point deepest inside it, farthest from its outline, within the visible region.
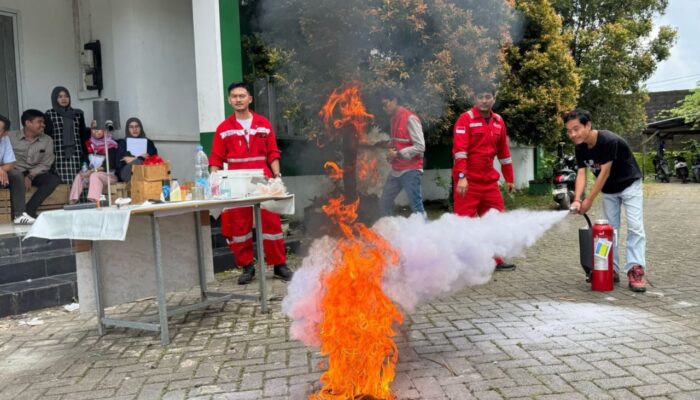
(56, 200)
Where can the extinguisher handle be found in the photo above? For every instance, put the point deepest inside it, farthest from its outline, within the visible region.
(575, 211)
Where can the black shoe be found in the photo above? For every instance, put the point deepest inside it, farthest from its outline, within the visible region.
(504, 266)
(283, 272)
(247, 275)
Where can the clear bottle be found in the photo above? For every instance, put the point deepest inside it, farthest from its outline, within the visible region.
(84, 180)
(175, 192)
(201, 171)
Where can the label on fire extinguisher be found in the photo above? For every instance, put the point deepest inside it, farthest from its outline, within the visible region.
(600, 264)
(601, 250)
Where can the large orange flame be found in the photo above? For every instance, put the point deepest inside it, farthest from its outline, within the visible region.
(357, 328)
(358, 318)
(346, 101)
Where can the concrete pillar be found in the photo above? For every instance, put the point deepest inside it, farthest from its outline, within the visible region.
(217, 43)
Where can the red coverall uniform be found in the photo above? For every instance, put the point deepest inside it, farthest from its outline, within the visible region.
(474, 146)
(258, 152)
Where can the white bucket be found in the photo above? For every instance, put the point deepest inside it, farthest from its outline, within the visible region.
(238, 181)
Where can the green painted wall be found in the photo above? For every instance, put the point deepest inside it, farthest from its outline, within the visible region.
(231, 57)
(231, 54)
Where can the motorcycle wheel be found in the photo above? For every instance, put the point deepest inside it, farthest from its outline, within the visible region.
(564, 203)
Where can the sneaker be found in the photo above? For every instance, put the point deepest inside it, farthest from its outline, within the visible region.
(247, 275)
(505, 266)
(283, 272)
(24, 219)
(635, 276)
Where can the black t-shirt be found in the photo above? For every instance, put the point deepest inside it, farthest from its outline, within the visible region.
(610, 147)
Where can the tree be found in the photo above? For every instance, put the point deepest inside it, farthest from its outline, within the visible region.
(433, 50)
(540, 80)
(613, 49)
(690, 108)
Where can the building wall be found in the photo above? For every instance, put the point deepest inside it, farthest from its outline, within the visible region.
(46, 48)
(149, 67)
(148, 63)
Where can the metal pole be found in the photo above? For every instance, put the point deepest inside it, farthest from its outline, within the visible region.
(261, 257)
(95, 254)
(200, 256)
(162, 306)
(109, 186)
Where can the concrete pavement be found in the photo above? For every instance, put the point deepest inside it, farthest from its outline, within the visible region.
(534, 333)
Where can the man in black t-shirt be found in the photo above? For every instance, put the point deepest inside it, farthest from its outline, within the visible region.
(619, 179)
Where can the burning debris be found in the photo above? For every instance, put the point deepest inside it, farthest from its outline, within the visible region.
(335, 173)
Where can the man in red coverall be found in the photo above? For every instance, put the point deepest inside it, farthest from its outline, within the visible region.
(245, 140)
(479, 136)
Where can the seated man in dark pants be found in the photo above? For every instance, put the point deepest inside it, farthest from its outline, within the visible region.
(34, 156)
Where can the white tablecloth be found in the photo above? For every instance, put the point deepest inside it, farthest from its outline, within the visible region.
(89, 224)
(112, 223)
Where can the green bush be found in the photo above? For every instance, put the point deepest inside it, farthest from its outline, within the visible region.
(647, 164)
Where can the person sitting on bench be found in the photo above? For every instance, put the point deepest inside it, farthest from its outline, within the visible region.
(34, 157)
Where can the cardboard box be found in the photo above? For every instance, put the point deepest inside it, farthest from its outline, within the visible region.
(150, 173)
(144, 190)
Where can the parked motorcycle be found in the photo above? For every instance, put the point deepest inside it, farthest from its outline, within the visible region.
(564, 178)
(661, 170)
(696, 168)
(681, 167)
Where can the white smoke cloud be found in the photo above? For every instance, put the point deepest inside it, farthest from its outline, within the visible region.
(444, 256)
(436, 258)
(303, 300)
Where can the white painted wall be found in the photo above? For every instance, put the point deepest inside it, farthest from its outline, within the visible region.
(523, 165)
(148, 64)
(149, 67)
(46, 50)
(210, 79)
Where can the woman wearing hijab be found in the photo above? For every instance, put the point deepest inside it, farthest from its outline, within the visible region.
(126, 160)
(66, 125)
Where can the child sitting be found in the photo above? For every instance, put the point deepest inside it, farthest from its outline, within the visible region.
(95, 176)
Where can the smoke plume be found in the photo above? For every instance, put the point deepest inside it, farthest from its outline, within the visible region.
(434, 51)
(437, 258)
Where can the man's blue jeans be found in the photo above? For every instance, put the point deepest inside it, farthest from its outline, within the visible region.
(631, 198)
(410, 181)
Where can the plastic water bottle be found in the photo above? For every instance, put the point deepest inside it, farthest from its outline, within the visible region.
(85, 181)
(201, 171)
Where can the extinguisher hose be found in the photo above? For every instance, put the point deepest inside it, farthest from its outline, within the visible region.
(588, 220)
(590, 226)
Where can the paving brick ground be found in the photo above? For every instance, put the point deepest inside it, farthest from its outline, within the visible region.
(535, 333)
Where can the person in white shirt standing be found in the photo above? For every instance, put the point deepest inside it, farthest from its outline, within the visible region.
(405, 156)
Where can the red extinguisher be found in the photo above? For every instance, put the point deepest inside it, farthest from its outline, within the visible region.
(602, 273)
